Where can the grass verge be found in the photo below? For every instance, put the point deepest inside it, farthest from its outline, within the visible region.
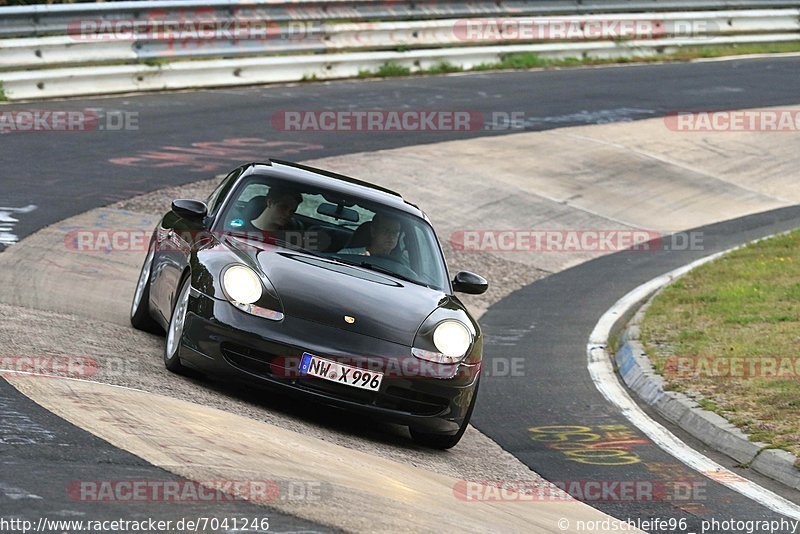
(530, 60)
(728, 333)
(386, 70)
(3, 96)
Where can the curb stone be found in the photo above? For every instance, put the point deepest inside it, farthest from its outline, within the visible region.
(637, 372)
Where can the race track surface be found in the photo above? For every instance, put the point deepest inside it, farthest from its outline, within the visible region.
(187, 137)
(548, 324)
(181, 137)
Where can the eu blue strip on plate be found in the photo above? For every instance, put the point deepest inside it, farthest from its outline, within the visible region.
(305, 362)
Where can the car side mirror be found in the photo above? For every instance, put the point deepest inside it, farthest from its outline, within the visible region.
(190, 209)
(471, 283)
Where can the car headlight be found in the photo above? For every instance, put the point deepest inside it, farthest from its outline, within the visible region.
(452, 340)
(244, 288)
(241, 284)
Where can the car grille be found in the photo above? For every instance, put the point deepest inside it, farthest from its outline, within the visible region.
(249, 360)
(412, 401)
(272, 366)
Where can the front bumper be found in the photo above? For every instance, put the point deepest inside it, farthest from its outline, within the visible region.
(220, 339)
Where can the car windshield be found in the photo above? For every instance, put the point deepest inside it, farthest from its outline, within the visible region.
(342, 228)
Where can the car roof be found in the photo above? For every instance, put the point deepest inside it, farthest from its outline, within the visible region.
(313, 177)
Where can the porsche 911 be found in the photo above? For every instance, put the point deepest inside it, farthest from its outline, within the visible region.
(320, 285)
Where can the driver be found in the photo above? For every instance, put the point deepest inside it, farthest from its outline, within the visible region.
(384, 233)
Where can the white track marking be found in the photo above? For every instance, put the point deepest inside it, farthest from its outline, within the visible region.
(15, 494)
(7, 223)
(607, 382)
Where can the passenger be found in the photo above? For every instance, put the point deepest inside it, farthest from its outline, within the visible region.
(279, 211)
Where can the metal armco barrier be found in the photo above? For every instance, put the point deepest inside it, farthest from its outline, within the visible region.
(136, 46)
(34, 20)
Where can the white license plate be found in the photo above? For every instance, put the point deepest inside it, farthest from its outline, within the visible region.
(341, 374)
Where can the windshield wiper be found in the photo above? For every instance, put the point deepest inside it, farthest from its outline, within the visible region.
(298, 248)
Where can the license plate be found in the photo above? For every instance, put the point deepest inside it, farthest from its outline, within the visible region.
(341, 374)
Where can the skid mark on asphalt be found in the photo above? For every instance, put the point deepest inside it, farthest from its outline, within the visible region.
(602, 116)
(17, 428)
(214, 156)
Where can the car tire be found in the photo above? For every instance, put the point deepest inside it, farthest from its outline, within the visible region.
(177, 322)
(140, 306)
(445, 441)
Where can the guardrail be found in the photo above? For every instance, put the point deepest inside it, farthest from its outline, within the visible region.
(136, 46)
(36, 20)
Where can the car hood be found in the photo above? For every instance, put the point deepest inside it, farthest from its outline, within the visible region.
(324, 291)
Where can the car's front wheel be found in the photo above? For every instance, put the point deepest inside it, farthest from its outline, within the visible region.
(140, 307)
(446, 441)
(172, 360)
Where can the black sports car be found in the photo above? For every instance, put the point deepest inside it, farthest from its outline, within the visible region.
(320, 284)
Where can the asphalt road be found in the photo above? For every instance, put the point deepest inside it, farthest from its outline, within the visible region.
(553, 400)
(182, 137)
(53, 471)
(191, 136)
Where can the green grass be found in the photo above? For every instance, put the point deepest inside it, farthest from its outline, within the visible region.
(734, 50)
(530, 60)
(155, 62)
(393, 69)
(744, 305)
(444, 68)
(387, 70)
(614, 343)
(3, 96)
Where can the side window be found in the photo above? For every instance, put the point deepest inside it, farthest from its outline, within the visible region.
(214, 201)
(242, 209)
